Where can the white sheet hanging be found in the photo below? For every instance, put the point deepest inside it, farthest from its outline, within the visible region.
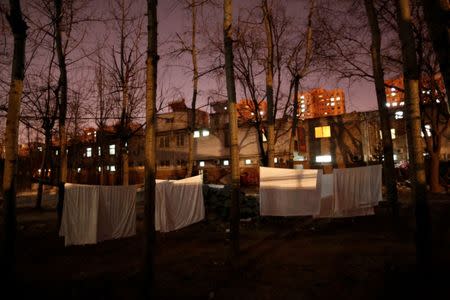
(356, 188)
(80, 214)
(179, 203)
(94, 213)
(289, 192)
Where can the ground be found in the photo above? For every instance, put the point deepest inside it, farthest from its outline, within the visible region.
(281, 258)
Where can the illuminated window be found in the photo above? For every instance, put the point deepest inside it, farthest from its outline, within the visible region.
(89, 152)
(202, 163)
(57, 152)
(322, 132)
(393, 133)
(275, 159)
(196, 134)
(402, 103)
(395, 157)
(112, 168)
(205, 132)
(226, 162)
(99, 151)
(99, 169)
(323, 158)
(394, 104)
(112, 149)
(399, 114)
(79, 170)
(248, 161)
(388, 104)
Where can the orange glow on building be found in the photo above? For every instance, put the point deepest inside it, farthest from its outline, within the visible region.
(247, 110)
(320, 102)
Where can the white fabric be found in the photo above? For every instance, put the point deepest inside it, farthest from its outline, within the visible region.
(79, 219)
(350, 192)
(179, 203)
(289, 192)
(356, 188)
(96, 213)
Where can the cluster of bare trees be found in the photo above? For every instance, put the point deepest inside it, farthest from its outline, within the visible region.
(262, 51)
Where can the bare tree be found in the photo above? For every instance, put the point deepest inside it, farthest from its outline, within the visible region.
(123, 66)
(412, 99)
(19, 30)
(385, 122)
(232, 115)
(150, 150)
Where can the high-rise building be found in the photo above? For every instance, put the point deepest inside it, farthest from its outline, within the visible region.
(319, 102)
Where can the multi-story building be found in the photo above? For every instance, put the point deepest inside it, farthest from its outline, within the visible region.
(318, 102)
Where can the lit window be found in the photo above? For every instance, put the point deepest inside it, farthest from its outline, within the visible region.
(393, 94)
(323, 158)
(326, 113)
(402, 103)
(226, 162)
(112, 149)
(89, 152)
(275, 160)
(99, 169)
(428, 130)
(394, 104)
(392, 89)
(202, 163)
(39, 171)
(112, 168)
(79, 170)
(302, 106)
(252, 114)
(261, 113)
(303, 110)
(40, 148)
(332, 103)
(302, 97)
(57, 152)
(332, 99)
(338, 98)
(393, 133)
(196, 134)
(399, 114)
(395, 157)
(322, 132)
(438, 101)
(205, 132)
(388, 104)
(248, 161)
(99, 151)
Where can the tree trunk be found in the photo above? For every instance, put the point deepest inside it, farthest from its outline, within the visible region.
(19, 29)
(234, 149)
(294, 118)
(385, 122)
(415, 149)
(45, 159)
(192, 120)
(62, 85)
(148, 283)
(268, 25)
(437, 13)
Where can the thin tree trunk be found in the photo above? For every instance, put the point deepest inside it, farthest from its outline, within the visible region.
(415, 149)
(150, 151)
(19, 29)
(62, 85)
(234, 149)
(294, 118)
(192, 121)
(44, 164)
(268, 25)
(385, 122)
(437, 14)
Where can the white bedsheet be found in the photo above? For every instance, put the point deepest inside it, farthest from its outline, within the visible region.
(289, 192)
(350, 192)
(179, 203)
(95, 213)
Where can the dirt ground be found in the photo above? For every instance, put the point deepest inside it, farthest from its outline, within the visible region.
(281, 258)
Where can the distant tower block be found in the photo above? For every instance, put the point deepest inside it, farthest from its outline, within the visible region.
(319, 102)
